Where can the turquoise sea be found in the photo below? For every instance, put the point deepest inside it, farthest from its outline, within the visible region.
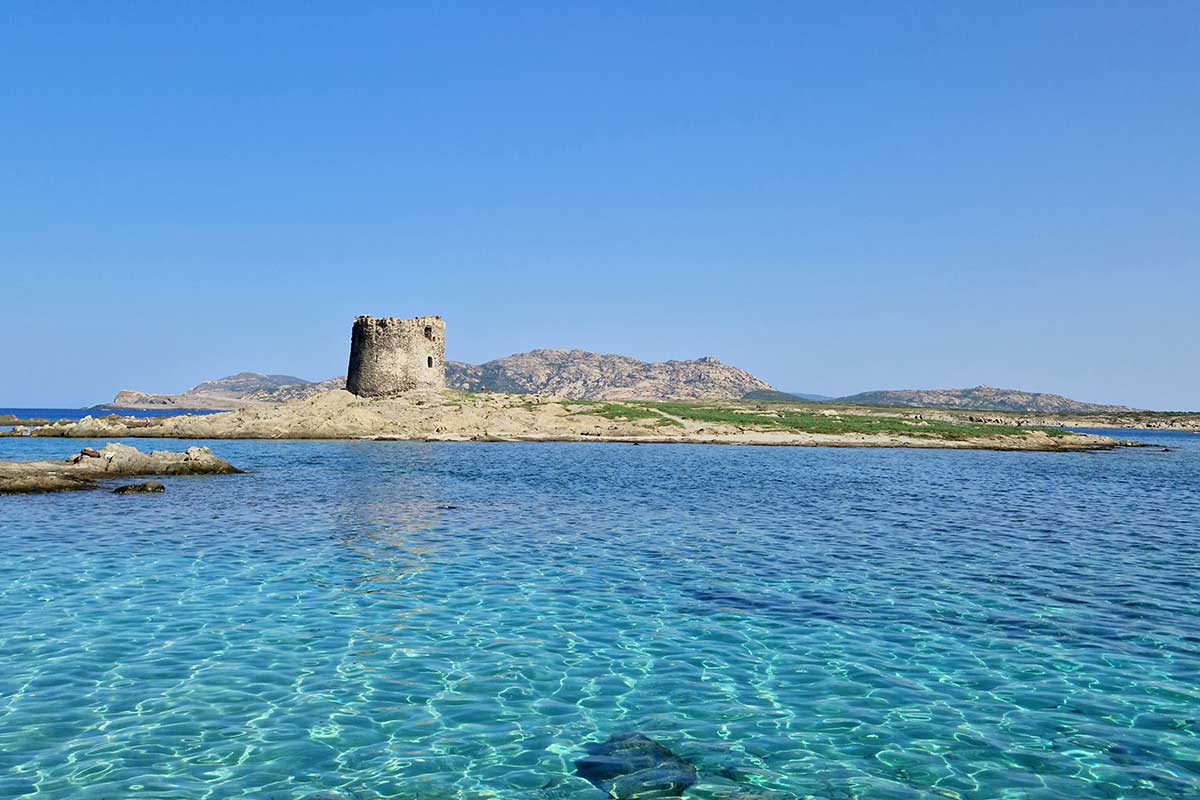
(411, 620)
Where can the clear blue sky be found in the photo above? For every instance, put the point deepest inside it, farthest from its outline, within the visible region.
(834, 196)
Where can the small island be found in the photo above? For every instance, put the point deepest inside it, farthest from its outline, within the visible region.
(396, 390)
(448, 415)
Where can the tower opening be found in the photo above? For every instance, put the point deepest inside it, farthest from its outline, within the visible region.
(429, 334)
(429, 360)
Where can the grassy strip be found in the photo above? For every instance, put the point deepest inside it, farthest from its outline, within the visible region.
(808, 422)
(459, 397)
(623, 413)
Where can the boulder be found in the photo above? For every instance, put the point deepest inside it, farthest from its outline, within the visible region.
(668, 780)
(121, 459)
(632, 766)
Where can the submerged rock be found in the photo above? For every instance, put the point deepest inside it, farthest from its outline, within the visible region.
(140, 488)
(632, 766)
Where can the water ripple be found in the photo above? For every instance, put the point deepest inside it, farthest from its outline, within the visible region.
(406, 620)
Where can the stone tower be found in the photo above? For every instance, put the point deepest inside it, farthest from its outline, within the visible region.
(390, 356)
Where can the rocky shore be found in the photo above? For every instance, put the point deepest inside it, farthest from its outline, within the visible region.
(8, 420)
(457, 416)
(1186, 422)
(85, 468)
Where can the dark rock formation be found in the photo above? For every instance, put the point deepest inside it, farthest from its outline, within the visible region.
(140, 488)
(632, 766)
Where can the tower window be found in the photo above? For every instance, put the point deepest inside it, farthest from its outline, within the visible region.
(429, 334)
(429, 360)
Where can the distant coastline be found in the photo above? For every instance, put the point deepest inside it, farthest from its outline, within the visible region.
(591, 376)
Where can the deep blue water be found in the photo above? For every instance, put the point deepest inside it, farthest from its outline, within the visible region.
(413, 620)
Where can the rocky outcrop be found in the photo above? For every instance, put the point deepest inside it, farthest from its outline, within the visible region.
(99, 425)
(82, 470)
(453, 416)
(9, 420)
(980, 398)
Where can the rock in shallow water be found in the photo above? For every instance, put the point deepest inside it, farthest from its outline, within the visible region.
(114, 460)
(140, 488)
(632, 766)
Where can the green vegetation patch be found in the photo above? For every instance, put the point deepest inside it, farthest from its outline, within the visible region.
(623, 413)
(803, 421)
(458, 396)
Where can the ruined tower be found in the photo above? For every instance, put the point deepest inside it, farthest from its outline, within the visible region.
(390, 356)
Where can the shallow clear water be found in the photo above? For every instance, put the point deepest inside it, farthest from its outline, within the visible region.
(410, 620)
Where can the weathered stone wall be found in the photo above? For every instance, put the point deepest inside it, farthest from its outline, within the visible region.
(390, 356)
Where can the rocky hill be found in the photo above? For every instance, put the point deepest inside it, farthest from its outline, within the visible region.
(188, 401)
(981, 398)
(591, 376)
(234, 391)
(296, 391)
(570, 373)
(245, 383)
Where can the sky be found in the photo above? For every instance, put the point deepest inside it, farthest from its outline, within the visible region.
(837, 197)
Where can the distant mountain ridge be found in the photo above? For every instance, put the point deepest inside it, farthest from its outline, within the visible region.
(571, 373)
(980, 398)
(591, 376)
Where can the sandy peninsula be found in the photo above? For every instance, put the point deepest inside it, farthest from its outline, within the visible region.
(458, 416)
